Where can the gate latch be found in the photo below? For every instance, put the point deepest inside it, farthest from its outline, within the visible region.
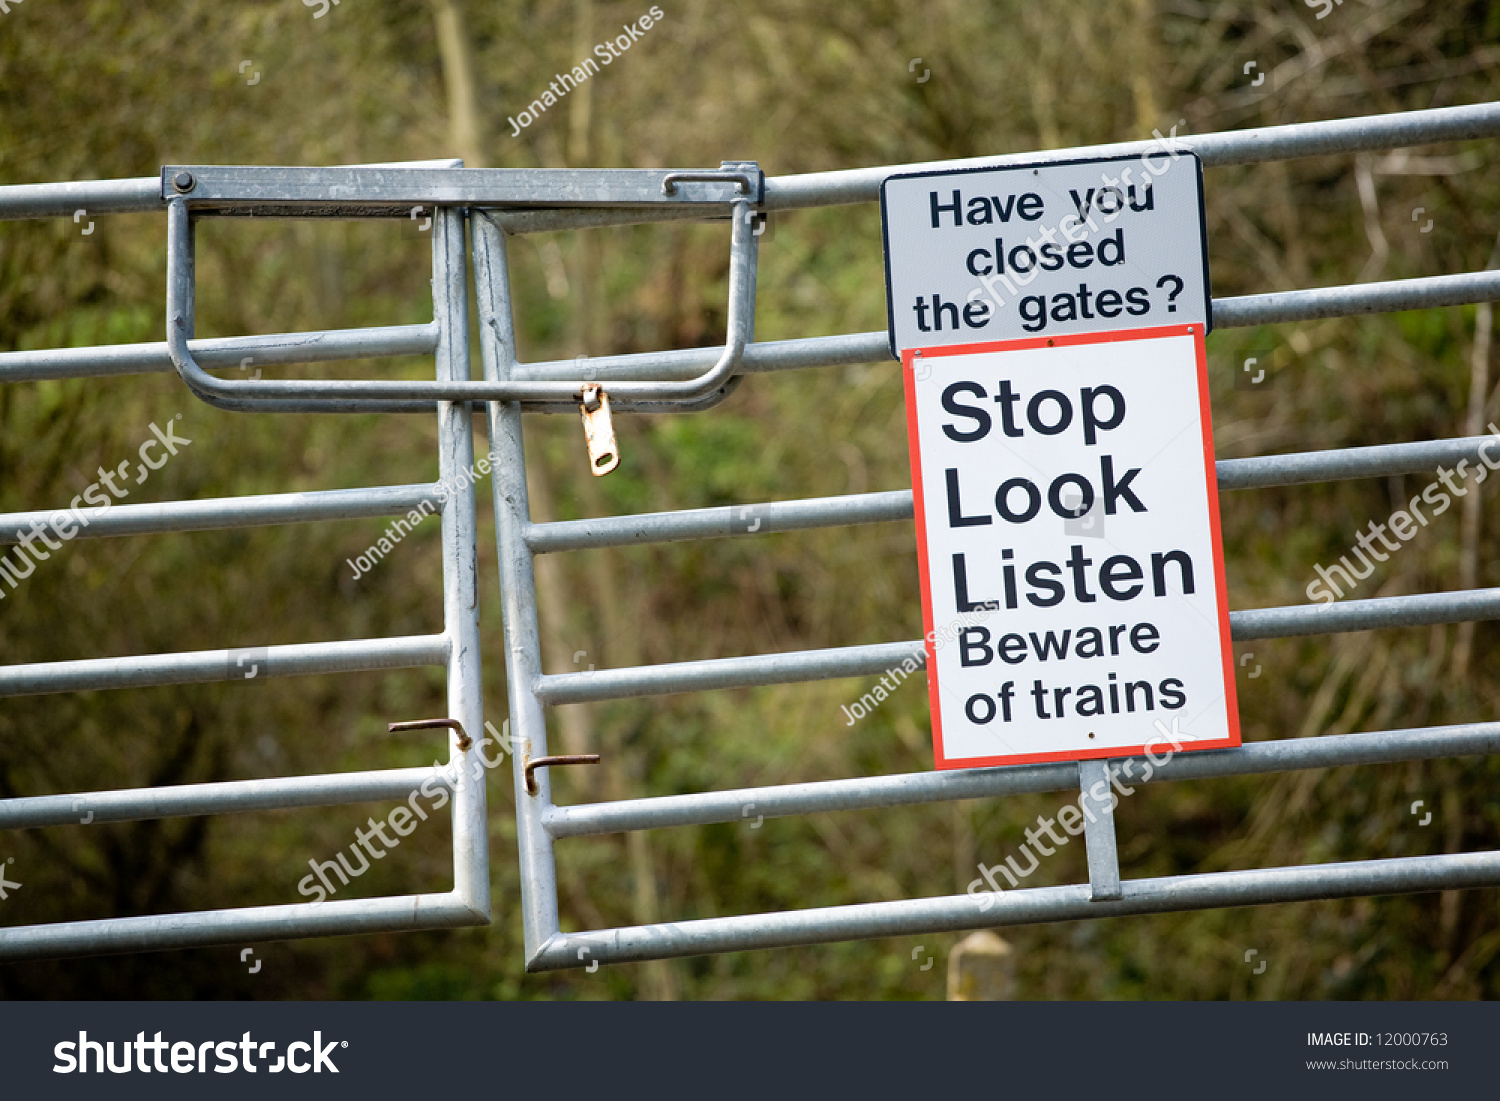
(599, 431)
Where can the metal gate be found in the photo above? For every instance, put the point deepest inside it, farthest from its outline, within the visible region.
(495, 204)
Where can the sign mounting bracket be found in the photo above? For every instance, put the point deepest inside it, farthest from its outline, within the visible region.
(1099, 831)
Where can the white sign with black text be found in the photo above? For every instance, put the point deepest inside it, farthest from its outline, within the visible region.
(1100, 245)
(1067, 519)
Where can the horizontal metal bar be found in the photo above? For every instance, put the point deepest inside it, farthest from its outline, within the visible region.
(851, 661)
(1311, 304)
(220, 353)
(1254, 146)
(392, 186)
(867, 793)
(59, 200)
(1030, 906)
(368, 191)
(1365, 298)
(685, 363)
(141, 194)
(1344, 463)
(335, 917)
(228, 512)
(1219, 149)
(704, 676)
(707, 523)
(227, 797)
(867, 508)
(1420, 610)
(244, 663)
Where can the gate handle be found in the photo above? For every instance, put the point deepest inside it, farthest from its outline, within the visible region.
(359, 396)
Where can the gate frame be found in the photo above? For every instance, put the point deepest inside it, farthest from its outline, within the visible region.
(493, 217)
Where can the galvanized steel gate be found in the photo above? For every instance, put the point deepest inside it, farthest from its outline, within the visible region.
(497, 203)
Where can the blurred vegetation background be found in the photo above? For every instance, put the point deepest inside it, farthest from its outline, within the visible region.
(102, 88)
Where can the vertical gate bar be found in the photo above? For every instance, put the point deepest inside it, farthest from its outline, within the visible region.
(1099, 830)
(752, 272)
(180, 277)
(523, 664)
(190, 276)
(450, 304)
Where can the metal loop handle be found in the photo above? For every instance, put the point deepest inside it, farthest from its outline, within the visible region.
(348, 396)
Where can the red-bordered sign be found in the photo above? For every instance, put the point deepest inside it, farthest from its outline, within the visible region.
(1113, 621)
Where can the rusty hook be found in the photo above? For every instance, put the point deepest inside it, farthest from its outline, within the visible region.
(564, 759)
(464, 741)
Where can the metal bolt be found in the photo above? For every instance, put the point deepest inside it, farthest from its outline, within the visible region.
(464, 741)
(532, 764)
(183, 181)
